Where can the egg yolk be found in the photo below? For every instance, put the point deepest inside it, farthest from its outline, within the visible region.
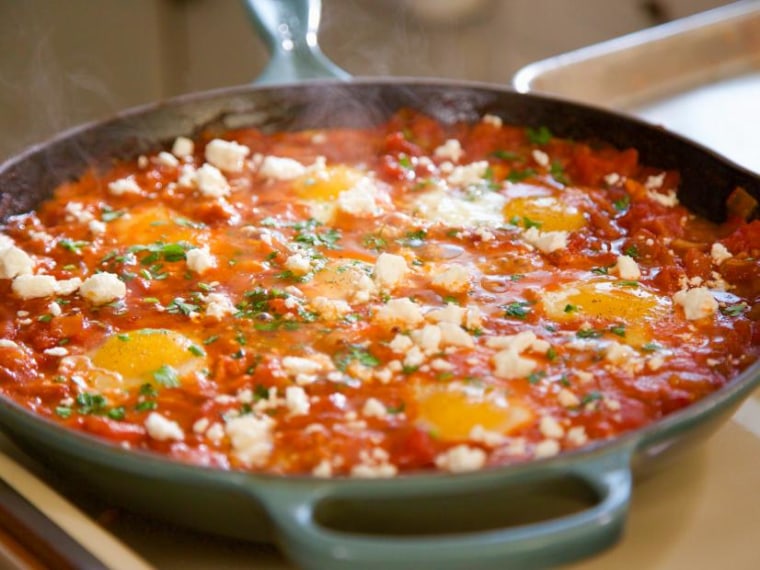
(326, 184)
(549, 212)
(154, 223)
(636, 308)
(451, 414)
(139, 356)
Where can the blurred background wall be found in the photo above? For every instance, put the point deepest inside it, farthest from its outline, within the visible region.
(66, 62)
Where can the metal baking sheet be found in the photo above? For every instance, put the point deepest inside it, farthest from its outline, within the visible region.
(699, 76)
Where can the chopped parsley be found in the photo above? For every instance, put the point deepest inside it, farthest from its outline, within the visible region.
(414, 239)
(116, 413)
(541, 135)
(166, 376)
(650, 347)
(91, 403)
(180, 306)
(517, 309)
(734, 310)
(160, 251)
(373, 241)
(588, 333)
(627, 283)
(520, 175)
(354, 353)
(591, 397)
(535, 377)
(621, 204)
(505, 155)
(618, 330)
(557, 172)
(74, 246)
(631, 251)
(328, 238)
(570, 308)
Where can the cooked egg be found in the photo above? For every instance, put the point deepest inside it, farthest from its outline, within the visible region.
(549, 212)
(133, 358)
(345, 279)
(462, 211)
(150, 224)
(452, 411)
(321, 187)
(634, 307)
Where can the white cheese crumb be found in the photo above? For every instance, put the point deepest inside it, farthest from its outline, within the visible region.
(298, 264)
(669, 200)
(450, 150)
(304, 370)
(374, 471)
(215, 433)
(163, 429)
(96, 227)
(490, 438)
(461, 458)
(414, 357)
(655, 362)
(200, 259)
(568, 399)
(400, 343)
(627, 268)
(551, 428)
(279, 168)
(546, 448)
(218, 305)
(428, 338)
(68, 286)
(453, 335)
(612, 178)
(508, 363)
(14, 261)
(188, 176)
(211, 182)
(323, 469)
(55, 309)
(201, 425)
(468, 174)
(56, 351)
(7, 343)
(142, 162)
(547, 242)
(124, 186)
(251, 438)
(297, 400)
(75, 212)
(697, 303)
(226, 155)
(449, 314)
(719, 253)
(390, 271)
(103, 288)
(577, 436)
(359, 200)
(183, 147)
(330, 309)
(492, 120)
(34, 286)
(454, 279)
(167, 159)
(374, 408)
(541, 158)
(401, 312)
(654, 182)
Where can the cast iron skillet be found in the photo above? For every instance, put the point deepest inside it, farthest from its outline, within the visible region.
(346, 523)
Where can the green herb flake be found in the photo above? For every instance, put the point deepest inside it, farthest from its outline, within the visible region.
(621, 204)
(63, 411)
(571, 308)
(355, 353)
(196, 350)
(146, 405)
(74, 246)
(148, 390)
(557, 171)
(551, 354)
(618, 330)
(588, 333)
(541, 135)
(180, 306)
(601, 270)
(414, 239)
(591, 397)
(210, 340)
(504, 155)
(517, 309)
(116, 413)
(91, 403)
(631, 251)
(650, 347)
(520, 175)
(395, 410)
(166, 376)
(627, 283)
(536, 377)
(734, 310)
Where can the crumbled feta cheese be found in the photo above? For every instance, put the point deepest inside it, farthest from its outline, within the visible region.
(330, 309)
(251, 438)
(400, 343)
(551, 428)
(451, 313)
(577, 436)
(124, 186)
(450, 150)
(68, 286)
(390, 271)
(374, 471)
(623, 355)
(697, 303)
(492, 120)
(508, 363)
(34, 286)
(323, 469)
(546, 448)
(96, 227)
(297, 400)
(226, 155)
(719, 253)
(612, 178)
(655, 362)
(201, 425)
(359, 200)
(14, 261)
(487, 437)
(461, 458)
(279, 168)
(102, 288)
(541, 158)
(167, 159)
(56, 351)
(654, 182)
(304, 370)
(7, 343)
(669, 200)
(547, 242)
(454, 279)
(55, 309)
(215, 433)
(402, 312)
(211, 182)
(161, 428)
(75, 212)
(374, 408)
(568, 399)
(627, 268)
(468, 174)
(183, 147)
(428, 338)
(453, 335)
(188, 176)
(414, 357)
(199, 259)
(298, 264)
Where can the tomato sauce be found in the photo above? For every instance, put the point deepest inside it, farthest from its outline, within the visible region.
(372, 302)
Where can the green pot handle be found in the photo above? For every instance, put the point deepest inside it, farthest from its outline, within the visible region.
(538, 545)
(289, 28)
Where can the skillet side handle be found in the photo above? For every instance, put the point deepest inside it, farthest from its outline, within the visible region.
(289, 28)
(539, 545)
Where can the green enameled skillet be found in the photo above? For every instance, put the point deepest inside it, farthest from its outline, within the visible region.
(490, 519)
